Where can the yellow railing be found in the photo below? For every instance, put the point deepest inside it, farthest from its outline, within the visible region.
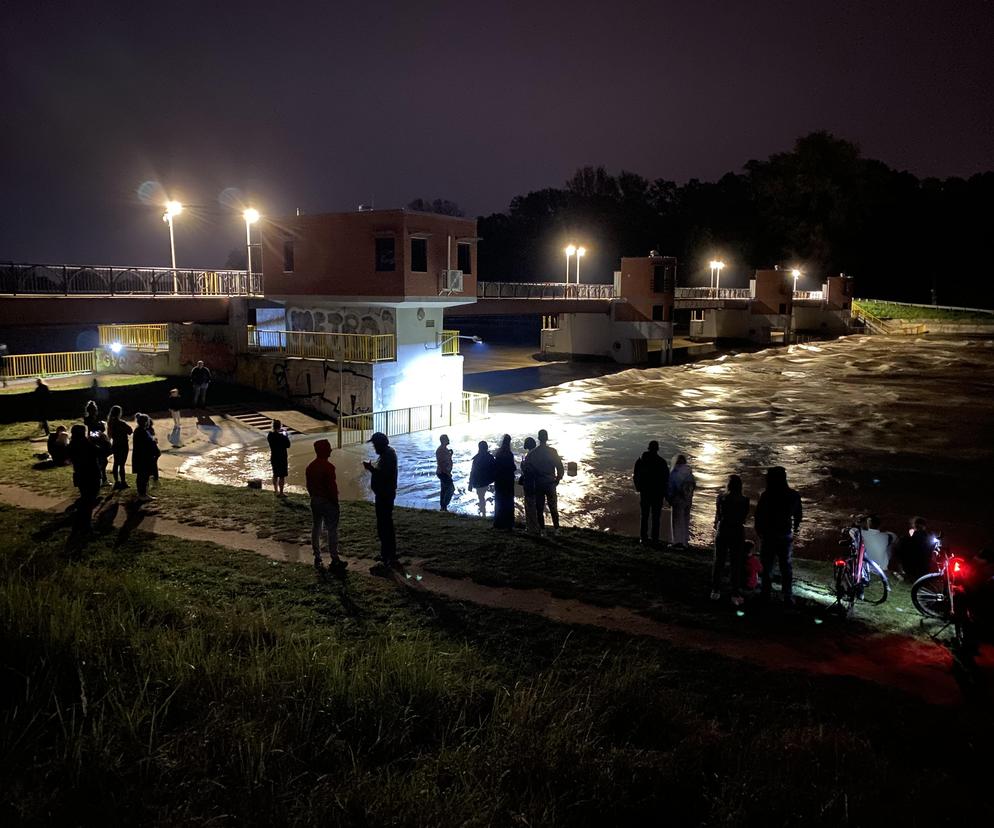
(885, 326)
(139, 337)
(450, 343)
(19, 366)
(316, 345)
(355, 429)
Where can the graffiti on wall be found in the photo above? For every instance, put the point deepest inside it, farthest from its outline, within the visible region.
(125, 362)
(319, 385)
(210, 345)
(359, 320)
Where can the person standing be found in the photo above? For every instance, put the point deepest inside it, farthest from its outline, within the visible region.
(680, 493)
(279, 445)
(527, 481)
(42, 395)
(104, 448)
(547, 466)
(481, 475)
(778, 516)
(651, 477)
(85, 474)
(200, 378)
(443, 471)
(731, 511)
(323, 489)
(175, 406)
(144, 456)
(91, 416)
(504, 471)
(119, 432)
(383, 482)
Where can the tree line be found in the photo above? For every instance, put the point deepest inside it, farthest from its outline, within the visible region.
(822, 207)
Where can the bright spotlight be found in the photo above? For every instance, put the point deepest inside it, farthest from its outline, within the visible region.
(173, 208)
(795, 273)
(116, 347)
(581, 251)
(570, 249)
(251, 215)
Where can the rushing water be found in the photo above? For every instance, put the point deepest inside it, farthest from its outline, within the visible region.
(863, 424)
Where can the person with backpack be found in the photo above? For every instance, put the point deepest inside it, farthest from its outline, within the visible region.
(481, 475)
(651, 478)
(680, 494)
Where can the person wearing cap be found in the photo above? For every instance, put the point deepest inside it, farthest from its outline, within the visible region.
(383, 482)
(322, 486)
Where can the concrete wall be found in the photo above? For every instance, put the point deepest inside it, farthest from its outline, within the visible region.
(624, 341)
(821, 319)
(327, 318)
(314, 384)
(636, 283)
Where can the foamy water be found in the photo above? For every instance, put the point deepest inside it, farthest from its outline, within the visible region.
(863, 424)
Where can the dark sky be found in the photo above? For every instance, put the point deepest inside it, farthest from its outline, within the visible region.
(325, 105)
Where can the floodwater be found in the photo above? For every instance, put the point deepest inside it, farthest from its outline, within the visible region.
(895, 426)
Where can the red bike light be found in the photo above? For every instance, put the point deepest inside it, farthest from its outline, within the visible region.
(840, 562)
(957, 567)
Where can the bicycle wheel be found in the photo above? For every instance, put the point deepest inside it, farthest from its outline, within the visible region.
(845, 594)
(930, 596)
(876, 587)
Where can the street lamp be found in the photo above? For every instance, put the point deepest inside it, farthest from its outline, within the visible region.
(796, 274)
(716, 267)
(173, 208)
(569, 251)
(580, 252)
(251, 216)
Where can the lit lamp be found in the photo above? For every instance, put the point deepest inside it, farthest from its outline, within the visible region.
(716, 267)
(797, 275)
(173, 208)
(569, 251)
(251, 216)
(580, 252)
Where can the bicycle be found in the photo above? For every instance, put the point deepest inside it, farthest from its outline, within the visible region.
(857, 578)
(936, 594)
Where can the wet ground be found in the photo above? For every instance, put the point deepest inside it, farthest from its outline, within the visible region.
(863, 424)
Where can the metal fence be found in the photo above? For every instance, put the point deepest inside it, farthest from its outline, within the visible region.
(712, 293)
(450, 343)
(20, 279)
(20, 366)
(542, 290)
(809, 295)
(137, 337)
(318, 345)
(355, 429)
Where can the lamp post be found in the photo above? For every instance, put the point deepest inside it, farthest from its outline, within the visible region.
(251, 216)
(716, 267)
(569, 251)
(173, 208)
(797, 275)
(580, 252)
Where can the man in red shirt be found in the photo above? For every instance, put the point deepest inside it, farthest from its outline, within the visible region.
(323, 489)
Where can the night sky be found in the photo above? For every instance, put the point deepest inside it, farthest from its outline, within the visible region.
(325, 105)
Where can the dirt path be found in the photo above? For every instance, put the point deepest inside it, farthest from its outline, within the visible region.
(921, 668)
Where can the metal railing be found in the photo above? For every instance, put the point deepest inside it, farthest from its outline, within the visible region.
(712, 293)
(318, 345)
(809, 295)
(542, 290)
(450, 343)
(876, 325)
(138, 337)
(356, 429)
(21, 279)
(20, 366)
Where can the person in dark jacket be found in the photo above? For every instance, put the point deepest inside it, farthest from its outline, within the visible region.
(104, 448)
(481, 475)
(85, 473)
(41, 395)
(547, 466)
(323, 489)
(200, 378)
(527, 481)
(383, 482)
(91, 416)
(279, 445)
(119, 432)
(916, 551)
(731, 511)
(651, 478)
(504, 471)
(144, 456)
(778, 515)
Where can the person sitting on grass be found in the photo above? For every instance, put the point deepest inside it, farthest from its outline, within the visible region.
(58, 446)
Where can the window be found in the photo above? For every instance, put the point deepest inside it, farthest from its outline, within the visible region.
(288, 255)
(662, 278)
(465, 257)
(657, 313)
(386, 259)
(419, 255)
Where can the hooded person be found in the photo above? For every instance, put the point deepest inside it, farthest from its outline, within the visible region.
(481, 474)
(650, 478)
(322, 486)
(778, 516)
(680, 493)
(144, 456)
(504, 471)
(383, 482)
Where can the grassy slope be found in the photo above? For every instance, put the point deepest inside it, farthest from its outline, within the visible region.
(162, 681)
(893, 310)
(83, 381)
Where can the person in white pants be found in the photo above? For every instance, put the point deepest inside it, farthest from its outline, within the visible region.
(680, 494)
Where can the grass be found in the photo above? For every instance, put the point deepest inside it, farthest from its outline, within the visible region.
(896, 310)
(159, 682)
(82, 381)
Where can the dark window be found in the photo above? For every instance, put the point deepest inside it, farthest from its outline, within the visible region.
(419, 255)
(657, 313)
(465, 257)
(288, 255)
(663, 278)
(783, 309)
(385, 254)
